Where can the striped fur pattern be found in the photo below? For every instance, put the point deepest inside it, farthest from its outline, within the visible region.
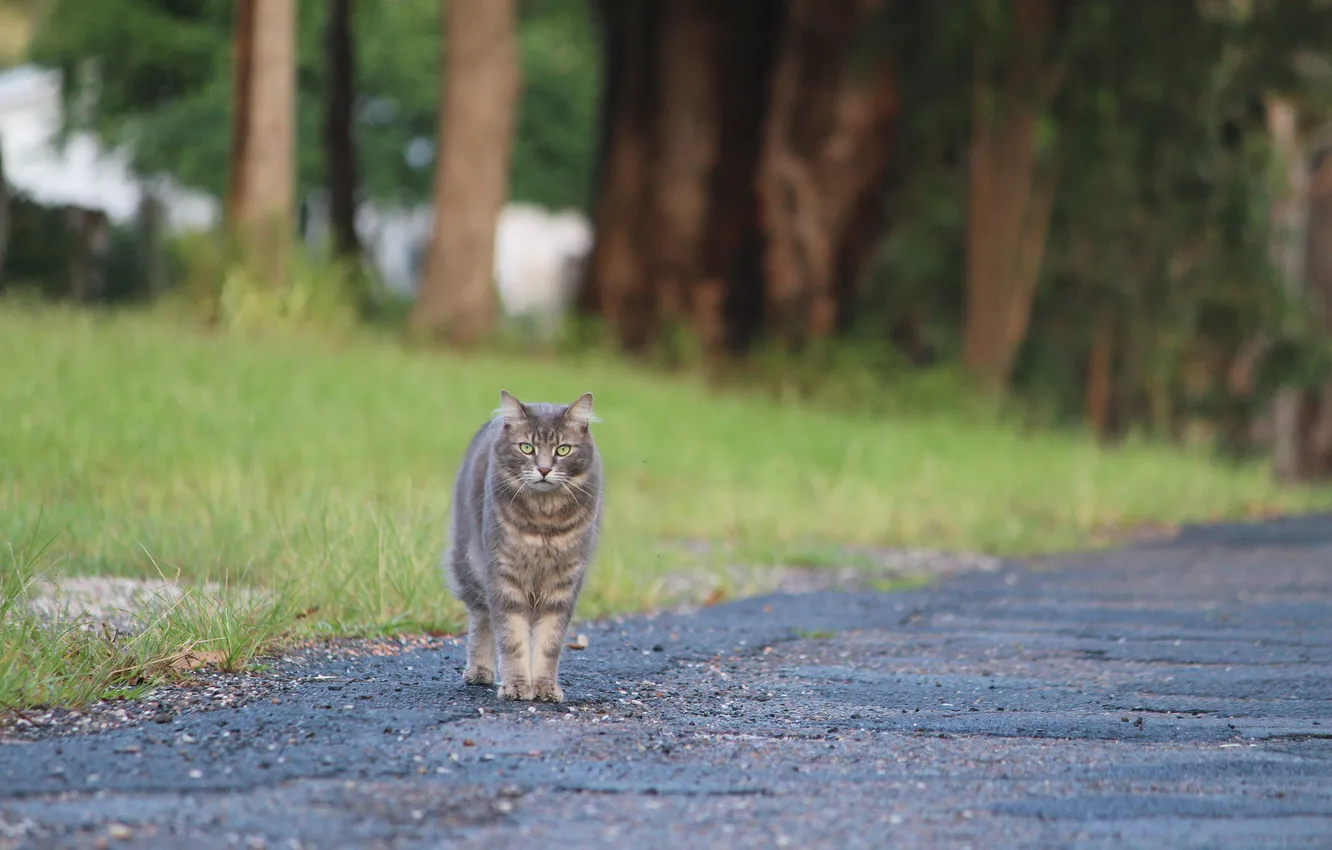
(526, 517)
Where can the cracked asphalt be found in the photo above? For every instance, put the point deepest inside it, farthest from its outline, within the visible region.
(1173, 695)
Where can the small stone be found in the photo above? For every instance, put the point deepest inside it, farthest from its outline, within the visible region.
(656, 647)
(119, 831)
(579, 642)
(163, 717)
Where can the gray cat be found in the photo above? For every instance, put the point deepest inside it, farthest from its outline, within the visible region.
(526, 517)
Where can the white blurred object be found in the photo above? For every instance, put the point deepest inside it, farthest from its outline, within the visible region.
(82, 173)
(538, 262)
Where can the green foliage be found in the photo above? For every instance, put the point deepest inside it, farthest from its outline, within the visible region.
(37, 253)
(319, 292)
(156, 75)
(557, 118)
(1161, 214)
(40, 246)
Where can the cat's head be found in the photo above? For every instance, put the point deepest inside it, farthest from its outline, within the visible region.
(545, 447)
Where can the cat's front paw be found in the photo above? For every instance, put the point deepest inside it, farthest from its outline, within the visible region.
(549, 691)
(479, 676)
(518, 689)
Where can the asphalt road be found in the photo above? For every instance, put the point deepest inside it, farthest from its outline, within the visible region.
(1174, 695)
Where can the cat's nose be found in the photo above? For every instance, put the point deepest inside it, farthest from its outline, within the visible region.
(544, 470)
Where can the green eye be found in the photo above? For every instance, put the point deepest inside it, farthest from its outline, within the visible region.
(563, 450)
(526, 448)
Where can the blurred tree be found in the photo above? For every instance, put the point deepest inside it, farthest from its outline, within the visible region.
(339, 129)
(479, 90)
(1017, 74)
(261, 205)
(1290, 46)
(743, 169)
(827, 147)
(163, 70)
(1289, 241)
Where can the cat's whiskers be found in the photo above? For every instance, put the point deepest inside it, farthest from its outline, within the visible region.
(521, 484)
(578, 485)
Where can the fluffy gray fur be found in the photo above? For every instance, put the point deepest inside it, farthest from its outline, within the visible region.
(526, 517)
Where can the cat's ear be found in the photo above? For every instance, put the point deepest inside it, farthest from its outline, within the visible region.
(580, 412)
(511, 408)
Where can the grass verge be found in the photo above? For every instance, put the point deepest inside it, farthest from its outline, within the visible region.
(321, 470)
(68, 661)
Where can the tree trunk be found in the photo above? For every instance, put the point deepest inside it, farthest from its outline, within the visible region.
(1287, 246)
(709, 155)
(1011, 194)
(620, 286)
(480, 93)
(676, 210)
(242, 66)
(148, 225)
(1317, 435)
(90, 233)
(339, 133)
(1100, 374)
(264, 144)
(688, 137)
(823, 178)
(735, 239)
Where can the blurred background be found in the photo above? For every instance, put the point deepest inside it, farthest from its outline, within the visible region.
(990, 276)
(1113, 211)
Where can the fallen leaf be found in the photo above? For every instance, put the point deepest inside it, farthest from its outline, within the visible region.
(579, 642)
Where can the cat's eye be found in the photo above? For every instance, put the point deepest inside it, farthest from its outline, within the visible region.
(526, 448)
(562, 451)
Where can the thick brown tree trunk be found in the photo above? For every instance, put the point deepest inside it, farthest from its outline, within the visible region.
(688, 141)
(621, 287)
(242, 66)
(709, 155)
(827, 148)
(1011, 194)
(676, 211)
(264, 141)
(480, 85)
(339, 133)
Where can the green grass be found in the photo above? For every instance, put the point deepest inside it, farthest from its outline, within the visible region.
(63, 661)
(322, 468)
